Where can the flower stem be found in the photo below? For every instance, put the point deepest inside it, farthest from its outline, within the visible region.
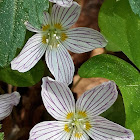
(50, 7)
(76, 83)
(1, 91)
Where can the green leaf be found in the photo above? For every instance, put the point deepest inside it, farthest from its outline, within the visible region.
(126, 77)
(19, 79)
(110, 66)
(115, 112)
(12, 30)
(121, 28)
(131, 97)
(35, 9)
(13, 14)
(135, 5)
(1, 134)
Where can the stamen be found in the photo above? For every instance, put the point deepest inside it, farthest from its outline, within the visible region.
(45, 27)
(54, 35)
(44, 39)
(63, 36)
(83, 114)
(78, 135)
(57, 37)
(67, 128)
(87, 125)
(73, 124)
(57, 45)
(69, 115)
(58, 26)
(80, 119)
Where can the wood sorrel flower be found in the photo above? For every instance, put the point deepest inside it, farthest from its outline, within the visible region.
(64, 3)
(55, 38)
(78, 121)
(7, 101)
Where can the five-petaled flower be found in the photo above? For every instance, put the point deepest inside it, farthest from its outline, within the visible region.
(55, 38)
(64, 3)
(7, 101)
(78, 121)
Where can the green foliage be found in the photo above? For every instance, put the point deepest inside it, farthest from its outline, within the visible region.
(121, 28)
(35, 10)
(112, 67)
(1, 134)
(131, 97)
(13, 14)
(126, 77)
(115, 112)
(19, 79)
(135, 5)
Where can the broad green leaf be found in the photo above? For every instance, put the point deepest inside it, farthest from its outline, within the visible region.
(135, 5)
(13, 14)
(19, 79)
(115, 112)
(121, 28)
(131, 97)
(110, 66)
(126, 77)
(35, 11)
(1, 134)
(12, 29)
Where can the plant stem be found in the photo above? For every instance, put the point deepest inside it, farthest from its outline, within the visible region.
(50, 7)
(76, 83)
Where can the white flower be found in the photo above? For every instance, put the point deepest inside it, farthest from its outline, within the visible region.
(7, 101)
(55, 38)
(78, 121)
(64, 3)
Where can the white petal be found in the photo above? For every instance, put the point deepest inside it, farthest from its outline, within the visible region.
(65, 3)
(46, 19)
(98, 99)
(57, 98)
(7, 101)
(60, 64)
(49, 130)
(30, 54)
(103, 129)
(83, 39)
(30, 27)
(64, 16)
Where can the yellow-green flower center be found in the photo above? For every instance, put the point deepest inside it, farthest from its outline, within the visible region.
(77, 124)
(52, 35)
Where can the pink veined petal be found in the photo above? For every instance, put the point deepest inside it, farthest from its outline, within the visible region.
(31, 28)
(30, 54)
(83, 39)
(7, 101)
(57, 98)
(46, 19)
(65, 16)
(60, 64)
(64, 3)
(103, 129)
(98, 99)
(49, 130)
